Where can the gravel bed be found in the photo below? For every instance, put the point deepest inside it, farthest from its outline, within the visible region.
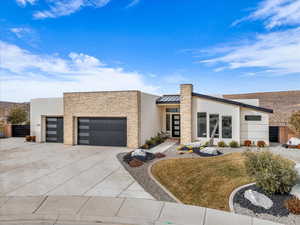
(277, 213)
(140, 174)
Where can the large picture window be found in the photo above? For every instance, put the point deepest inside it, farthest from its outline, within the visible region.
(213, 121)
(201, 124)
(226, 127)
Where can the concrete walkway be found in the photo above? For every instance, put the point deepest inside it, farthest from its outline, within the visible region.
(73, 210)
(35, 169)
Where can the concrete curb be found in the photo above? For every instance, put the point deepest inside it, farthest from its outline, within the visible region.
(158, 183)
(233, 194)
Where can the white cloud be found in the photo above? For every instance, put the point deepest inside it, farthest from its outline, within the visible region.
(66, 7)
(21, 31)
(133, 3)
(276, 13)
(25, 2)
(25, 75)
(275, 53)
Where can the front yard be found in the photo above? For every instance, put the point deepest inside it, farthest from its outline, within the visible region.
(206, 182)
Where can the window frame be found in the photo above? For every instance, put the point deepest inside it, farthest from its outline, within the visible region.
(253, 118)
(223, 131)
(204, 134)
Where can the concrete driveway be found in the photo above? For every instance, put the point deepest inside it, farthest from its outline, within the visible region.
(32, 169)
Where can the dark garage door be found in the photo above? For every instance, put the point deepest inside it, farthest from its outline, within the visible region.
(20, 130)
(274, 134)
(102, 131)
(54, 129)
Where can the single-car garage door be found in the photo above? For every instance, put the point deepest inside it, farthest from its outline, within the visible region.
(102, 131)
(54, 129)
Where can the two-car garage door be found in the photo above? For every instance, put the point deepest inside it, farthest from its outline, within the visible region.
(102, 131)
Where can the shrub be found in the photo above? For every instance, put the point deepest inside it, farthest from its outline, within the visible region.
(222, 144)
(145, 146)
(233, 144)
(206, 144)
(294, 122)
(261, 144)
(273, 173)
(247, 143)
(293, 205)
(148, 142)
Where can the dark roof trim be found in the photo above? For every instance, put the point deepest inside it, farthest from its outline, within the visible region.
(168, 99)
(233, 102)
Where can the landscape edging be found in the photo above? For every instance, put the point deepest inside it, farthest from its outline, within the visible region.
(231, 207)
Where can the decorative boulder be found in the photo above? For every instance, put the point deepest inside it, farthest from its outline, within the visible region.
(210, 150)
(258, 199)
(194, 144)
(293, 141)
(139, 152)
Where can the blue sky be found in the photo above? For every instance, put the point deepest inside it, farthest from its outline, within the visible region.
(48, 47)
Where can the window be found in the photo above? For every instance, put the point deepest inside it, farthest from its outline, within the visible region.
(226, 127)
(168, 122)
(201, 125)
(252, 118)
(213, 122)
(172, 110)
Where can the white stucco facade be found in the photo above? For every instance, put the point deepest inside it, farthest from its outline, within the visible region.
(40, 108)
(150, 117)
(215, 107)
(254, 130)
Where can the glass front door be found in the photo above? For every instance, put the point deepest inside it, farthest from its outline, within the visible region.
(175, 125)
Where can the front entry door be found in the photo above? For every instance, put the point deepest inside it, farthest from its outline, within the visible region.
(175, 125)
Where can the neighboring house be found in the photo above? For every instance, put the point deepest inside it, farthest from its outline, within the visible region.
(284, 103)
(129, 118)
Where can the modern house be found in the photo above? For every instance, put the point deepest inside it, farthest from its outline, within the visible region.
(129, 118)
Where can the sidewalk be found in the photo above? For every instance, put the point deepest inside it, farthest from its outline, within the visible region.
(63, 210)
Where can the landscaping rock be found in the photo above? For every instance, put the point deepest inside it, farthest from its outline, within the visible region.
(139, 152)
(194, 144)
(210, 150)
(293, 141)
(135, 163)
(258, 199)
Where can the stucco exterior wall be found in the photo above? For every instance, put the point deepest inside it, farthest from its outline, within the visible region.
(254, 130)
(150, 117)
(214, 107)
(39, 109)
(102, 104)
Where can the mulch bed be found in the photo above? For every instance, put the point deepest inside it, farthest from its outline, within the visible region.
(277, 209)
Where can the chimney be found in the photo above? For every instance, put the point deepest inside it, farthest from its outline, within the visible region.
(186, 91)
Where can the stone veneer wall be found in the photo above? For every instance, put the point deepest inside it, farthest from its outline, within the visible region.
(186, 113)
(102, 104)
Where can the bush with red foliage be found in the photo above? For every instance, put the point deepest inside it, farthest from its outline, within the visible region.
(261, 144)
(247, 143)
(293, 205)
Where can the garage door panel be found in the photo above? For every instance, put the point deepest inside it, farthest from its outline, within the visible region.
(54, 129)
(102, 131)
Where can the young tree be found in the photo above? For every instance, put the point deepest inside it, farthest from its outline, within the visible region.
(17, 115)
(295, 122)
